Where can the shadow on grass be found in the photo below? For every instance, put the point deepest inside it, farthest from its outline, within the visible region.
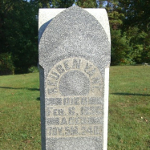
(38, 99)
(21, 88)
(133, 94)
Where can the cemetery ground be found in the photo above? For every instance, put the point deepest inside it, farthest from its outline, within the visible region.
(129, 110)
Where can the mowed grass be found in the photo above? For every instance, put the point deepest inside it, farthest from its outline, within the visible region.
(20, 112)
(129, 110)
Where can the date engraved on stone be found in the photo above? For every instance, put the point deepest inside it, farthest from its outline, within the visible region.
(74, 99)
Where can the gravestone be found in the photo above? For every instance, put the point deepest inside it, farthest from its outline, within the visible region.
(74, 60)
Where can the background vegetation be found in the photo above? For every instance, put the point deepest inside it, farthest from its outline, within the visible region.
(129, 115)
(129, 22)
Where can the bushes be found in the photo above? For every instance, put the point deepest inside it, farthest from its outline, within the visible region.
(6, 64)
(33, 69)
(120, 52)
(131, 47)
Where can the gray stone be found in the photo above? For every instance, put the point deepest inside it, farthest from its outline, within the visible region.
(74, 59)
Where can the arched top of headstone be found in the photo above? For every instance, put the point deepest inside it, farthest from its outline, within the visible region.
(74, 33)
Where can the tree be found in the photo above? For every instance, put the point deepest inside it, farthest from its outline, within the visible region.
(62, 3)
(136, 13)
(87, 3)
(137, 25)
(19, 33)
(53, 3)
(129, 31)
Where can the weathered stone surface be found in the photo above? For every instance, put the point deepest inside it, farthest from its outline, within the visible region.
(74, 58)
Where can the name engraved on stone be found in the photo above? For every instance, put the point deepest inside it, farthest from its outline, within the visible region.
(74, 92)
(74, 77)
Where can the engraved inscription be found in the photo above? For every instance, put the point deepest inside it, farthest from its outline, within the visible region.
(74, 99)
(74, 77)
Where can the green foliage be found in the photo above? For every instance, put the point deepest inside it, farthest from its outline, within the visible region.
(115, 14)
(43, 3)
(137, 13)
(33, 69)
(130, 37)
(137, 40)
(52, 3)
(87, 3)
(120, 49)
(19, 33)
(6, 64)
(62, 3)
(146, 49)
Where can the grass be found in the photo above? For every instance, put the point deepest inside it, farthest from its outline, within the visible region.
(20, 112)
(129, 110)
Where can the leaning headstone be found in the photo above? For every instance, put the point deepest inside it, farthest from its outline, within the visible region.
(74, 59)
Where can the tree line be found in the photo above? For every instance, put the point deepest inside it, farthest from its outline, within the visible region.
(129, 24)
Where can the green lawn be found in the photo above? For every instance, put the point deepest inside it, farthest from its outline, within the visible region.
(20, 112)
(129, 110)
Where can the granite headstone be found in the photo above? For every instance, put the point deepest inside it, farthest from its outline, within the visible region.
(74, 60)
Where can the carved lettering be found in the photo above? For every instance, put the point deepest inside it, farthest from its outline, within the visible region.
(63, 121)
(71, 130)
(71, 110)
(93, 110)
(66, 65)
(60, 69)
(58, 112)
(74, 130)
(79, 114)
(76, 63)
(55, 131)
(54, 75)
(91, 130)
(52, 90)
(89, 70)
